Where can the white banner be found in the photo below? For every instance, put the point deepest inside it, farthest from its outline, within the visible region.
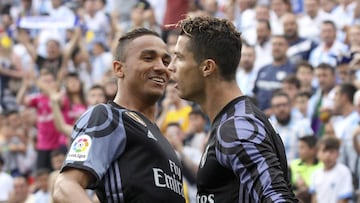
(46, 22)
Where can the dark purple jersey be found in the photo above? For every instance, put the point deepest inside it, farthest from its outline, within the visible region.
(244, 160)
(129, 159)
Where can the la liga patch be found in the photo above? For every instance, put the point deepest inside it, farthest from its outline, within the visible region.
(79, 149)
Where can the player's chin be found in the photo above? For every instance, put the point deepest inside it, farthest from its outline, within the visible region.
(159, 92)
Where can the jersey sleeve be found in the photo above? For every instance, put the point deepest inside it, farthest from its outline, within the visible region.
(98, 139)
(346, 189)
(243, 147)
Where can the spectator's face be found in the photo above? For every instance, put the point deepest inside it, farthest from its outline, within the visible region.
(97, 49)
(110, 90)
(262, 13)
(343, 72)
(26, 4)
(144, 71)
(53, 49)
(6, 20)
(328, 157)
(289, 89)
(306, 152)
(328, 34)
(49, 80)
(311, 7)
(305, 75)
(21, 189)
(325, 78)
(279, 48)
(281, 107)
(95, 96)
(90, 6)
(290, 26)
(328, 5)
(243, 4)
(301, 103)
(247, 58)
(210, 6)
(186, 71)
(339, 101)
(99, 4)
(14, 120)
(42, 182)
(354, 36)
(197, 123)
(56, 3)
(137, 16)
(173, 131)
(279, 7)
(262, 32)
(73, 85)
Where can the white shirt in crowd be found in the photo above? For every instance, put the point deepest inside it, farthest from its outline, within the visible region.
(332, 185)
(6, 186)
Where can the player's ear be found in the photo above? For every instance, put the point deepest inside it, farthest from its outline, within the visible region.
(208, 67)
(118, 68)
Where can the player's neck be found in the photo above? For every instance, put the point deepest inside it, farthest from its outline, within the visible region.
(217, 97)
(147, 109)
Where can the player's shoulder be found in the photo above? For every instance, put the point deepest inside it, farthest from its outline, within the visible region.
(99, 114)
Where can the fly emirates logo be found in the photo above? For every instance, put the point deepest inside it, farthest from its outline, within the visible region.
(170, 181)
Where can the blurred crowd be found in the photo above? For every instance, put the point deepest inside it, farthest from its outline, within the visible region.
(300, 64)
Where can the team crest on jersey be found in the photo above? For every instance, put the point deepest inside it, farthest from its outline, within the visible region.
(79, 149)
(204, 156)
(135, 117)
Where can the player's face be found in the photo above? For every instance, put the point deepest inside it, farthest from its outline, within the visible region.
(145, 67)
(186, 71)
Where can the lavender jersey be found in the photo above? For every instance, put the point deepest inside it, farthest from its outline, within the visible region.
(129, 159)
(244, 160)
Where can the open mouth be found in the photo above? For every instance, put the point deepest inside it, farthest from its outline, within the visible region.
(158, 80)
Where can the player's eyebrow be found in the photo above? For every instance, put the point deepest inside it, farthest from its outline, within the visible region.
(153, 53)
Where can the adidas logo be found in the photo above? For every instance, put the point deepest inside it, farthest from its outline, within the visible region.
(150, 135)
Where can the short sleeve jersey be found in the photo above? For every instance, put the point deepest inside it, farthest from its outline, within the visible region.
(244, 160)
(127, 155)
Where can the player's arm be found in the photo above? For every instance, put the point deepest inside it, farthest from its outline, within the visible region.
(70, 186)
(250, 157)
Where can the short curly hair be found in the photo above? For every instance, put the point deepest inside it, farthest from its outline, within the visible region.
(213, 38)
